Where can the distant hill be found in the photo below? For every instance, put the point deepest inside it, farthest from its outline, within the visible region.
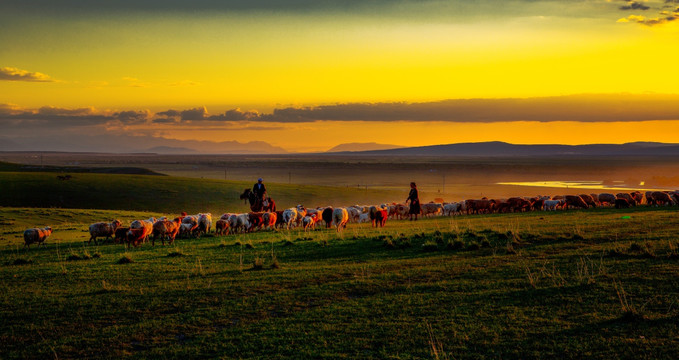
(171, 150)
(348, 147)
(134, 144)
(497, 148)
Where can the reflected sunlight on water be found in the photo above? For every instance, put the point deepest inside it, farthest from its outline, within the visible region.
(577, 185)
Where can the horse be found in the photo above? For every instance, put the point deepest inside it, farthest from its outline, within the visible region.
(256, 204)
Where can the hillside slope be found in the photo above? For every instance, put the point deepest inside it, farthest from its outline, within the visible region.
(166, 194)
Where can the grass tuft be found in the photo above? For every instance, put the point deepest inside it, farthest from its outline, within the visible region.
(22, 261)
(126, 259)
(455, 245)
(176, 253)
(74, 257)
(258, 263)
(249, 245)
(430, 246)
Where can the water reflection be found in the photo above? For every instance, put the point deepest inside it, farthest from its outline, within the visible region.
(617, 185)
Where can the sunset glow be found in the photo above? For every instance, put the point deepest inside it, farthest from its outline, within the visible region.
(112, 68)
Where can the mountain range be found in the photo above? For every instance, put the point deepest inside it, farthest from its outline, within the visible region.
(497, 148)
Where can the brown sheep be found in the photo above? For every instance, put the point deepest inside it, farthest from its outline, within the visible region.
(222, 227)
(121, 235)
(165, 229)
(36, 235)
(574, 200)
(103, 229)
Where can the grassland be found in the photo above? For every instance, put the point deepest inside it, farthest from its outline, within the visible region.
(578, 284)
(167, 194)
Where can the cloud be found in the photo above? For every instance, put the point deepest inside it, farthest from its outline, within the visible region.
(236, 115)
(583, 108)
(14, 74)
(50, 116)
(574, 108)
(664, 15)
(634, 5)
(133, 117)
(194, 114)
(650, 21)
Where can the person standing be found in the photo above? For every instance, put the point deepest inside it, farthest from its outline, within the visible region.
(414, 198)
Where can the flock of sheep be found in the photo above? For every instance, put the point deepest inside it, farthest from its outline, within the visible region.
(165, 229)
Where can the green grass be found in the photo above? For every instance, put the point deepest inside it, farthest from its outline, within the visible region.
(577, 284)
(166, 194)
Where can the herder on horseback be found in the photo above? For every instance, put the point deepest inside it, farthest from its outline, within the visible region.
(259, 201)
(259, 190)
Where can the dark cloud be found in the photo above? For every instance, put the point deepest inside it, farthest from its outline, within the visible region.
(236, 115)
(194, 114)
(50, 116)
(14, 74)
(584, 108)
(170, 113)
(130, 117)
(634, 5)
(664, 15)
(578, 108)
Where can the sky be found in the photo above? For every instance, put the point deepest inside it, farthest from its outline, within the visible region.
(307, 75)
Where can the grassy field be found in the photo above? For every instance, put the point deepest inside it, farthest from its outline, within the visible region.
(168, 194)
(578, 284)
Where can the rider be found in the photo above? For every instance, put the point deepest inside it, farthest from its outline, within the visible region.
(260, 190)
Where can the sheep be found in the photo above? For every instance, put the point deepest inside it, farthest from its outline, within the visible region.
(340, 217)
(165, 228)
(222, 227)
(103, 229)
(36, 235)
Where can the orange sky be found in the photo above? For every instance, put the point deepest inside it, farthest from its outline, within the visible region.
(119, 64)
